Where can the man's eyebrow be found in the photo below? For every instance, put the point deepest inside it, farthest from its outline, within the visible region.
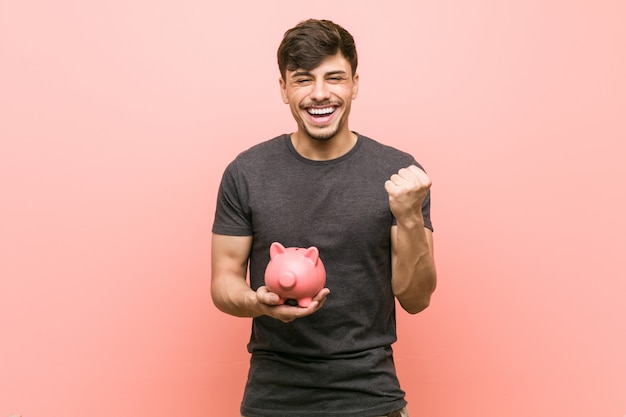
(301, 73)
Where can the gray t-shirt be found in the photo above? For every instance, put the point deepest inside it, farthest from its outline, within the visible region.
(338, 361)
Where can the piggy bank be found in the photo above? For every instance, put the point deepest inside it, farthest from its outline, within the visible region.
(295, 273)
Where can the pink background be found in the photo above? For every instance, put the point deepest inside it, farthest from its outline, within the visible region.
(118, 117)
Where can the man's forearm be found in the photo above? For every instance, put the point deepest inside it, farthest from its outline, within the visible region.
(233, 296)
(414, 275)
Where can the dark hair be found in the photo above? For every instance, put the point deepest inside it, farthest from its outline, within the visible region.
(309, 42)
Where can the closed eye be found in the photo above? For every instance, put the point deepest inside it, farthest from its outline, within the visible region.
(336, 76)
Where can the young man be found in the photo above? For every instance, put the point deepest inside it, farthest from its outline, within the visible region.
(364, 205)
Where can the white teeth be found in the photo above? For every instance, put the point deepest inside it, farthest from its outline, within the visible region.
(326, 110)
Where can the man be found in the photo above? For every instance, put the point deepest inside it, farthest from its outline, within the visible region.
(364, 205)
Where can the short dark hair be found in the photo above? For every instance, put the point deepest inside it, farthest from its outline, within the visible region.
(307, 44)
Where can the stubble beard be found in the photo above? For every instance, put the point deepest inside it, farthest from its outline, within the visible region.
(323, 135)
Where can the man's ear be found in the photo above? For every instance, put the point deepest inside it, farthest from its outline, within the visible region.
(283, 90)
(355, 86)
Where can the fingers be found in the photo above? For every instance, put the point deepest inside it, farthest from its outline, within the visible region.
(321, 296)
(409, 177)
(287, 313)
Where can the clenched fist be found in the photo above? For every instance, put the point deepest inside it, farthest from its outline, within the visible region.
(407, 190)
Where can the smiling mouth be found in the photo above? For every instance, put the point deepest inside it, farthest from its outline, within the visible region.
(321, 115)
(321, 111)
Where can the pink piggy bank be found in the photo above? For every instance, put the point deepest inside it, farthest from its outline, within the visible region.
(295, 273)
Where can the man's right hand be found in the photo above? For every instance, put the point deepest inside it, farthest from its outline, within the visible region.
(270, 305)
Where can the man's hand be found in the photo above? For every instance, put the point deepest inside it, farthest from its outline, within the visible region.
(270, 305)
(407, 190)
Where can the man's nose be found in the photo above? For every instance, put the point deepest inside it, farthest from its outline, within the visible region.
(320, 91)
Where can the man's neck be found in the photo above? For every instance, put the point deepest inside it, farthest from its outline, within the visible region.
(323, 150)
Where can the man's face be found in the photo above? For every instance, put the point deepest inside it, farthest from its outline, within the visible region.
(320, 98)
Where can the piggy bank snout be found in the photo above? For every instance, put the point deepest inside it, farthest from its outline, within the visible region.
(287, 280)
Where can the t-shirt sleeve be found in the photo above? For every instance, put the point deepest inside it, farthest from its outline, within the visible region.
(426, 212)
(231, 212)
(425, 204)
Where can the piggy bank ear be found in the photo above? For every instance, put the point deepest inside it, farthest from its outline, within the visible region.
(312, 253)
(276, 249)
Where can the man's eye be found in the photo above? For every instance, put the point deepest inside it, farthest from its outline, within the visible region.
(302, 80)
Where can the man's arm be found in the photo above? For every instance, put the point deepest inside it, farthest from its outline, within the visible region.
(232, 294)
(413, 268)
(414, 276)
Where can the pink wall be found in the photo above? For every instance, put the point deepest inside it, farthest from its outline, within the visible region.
(117, 119)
